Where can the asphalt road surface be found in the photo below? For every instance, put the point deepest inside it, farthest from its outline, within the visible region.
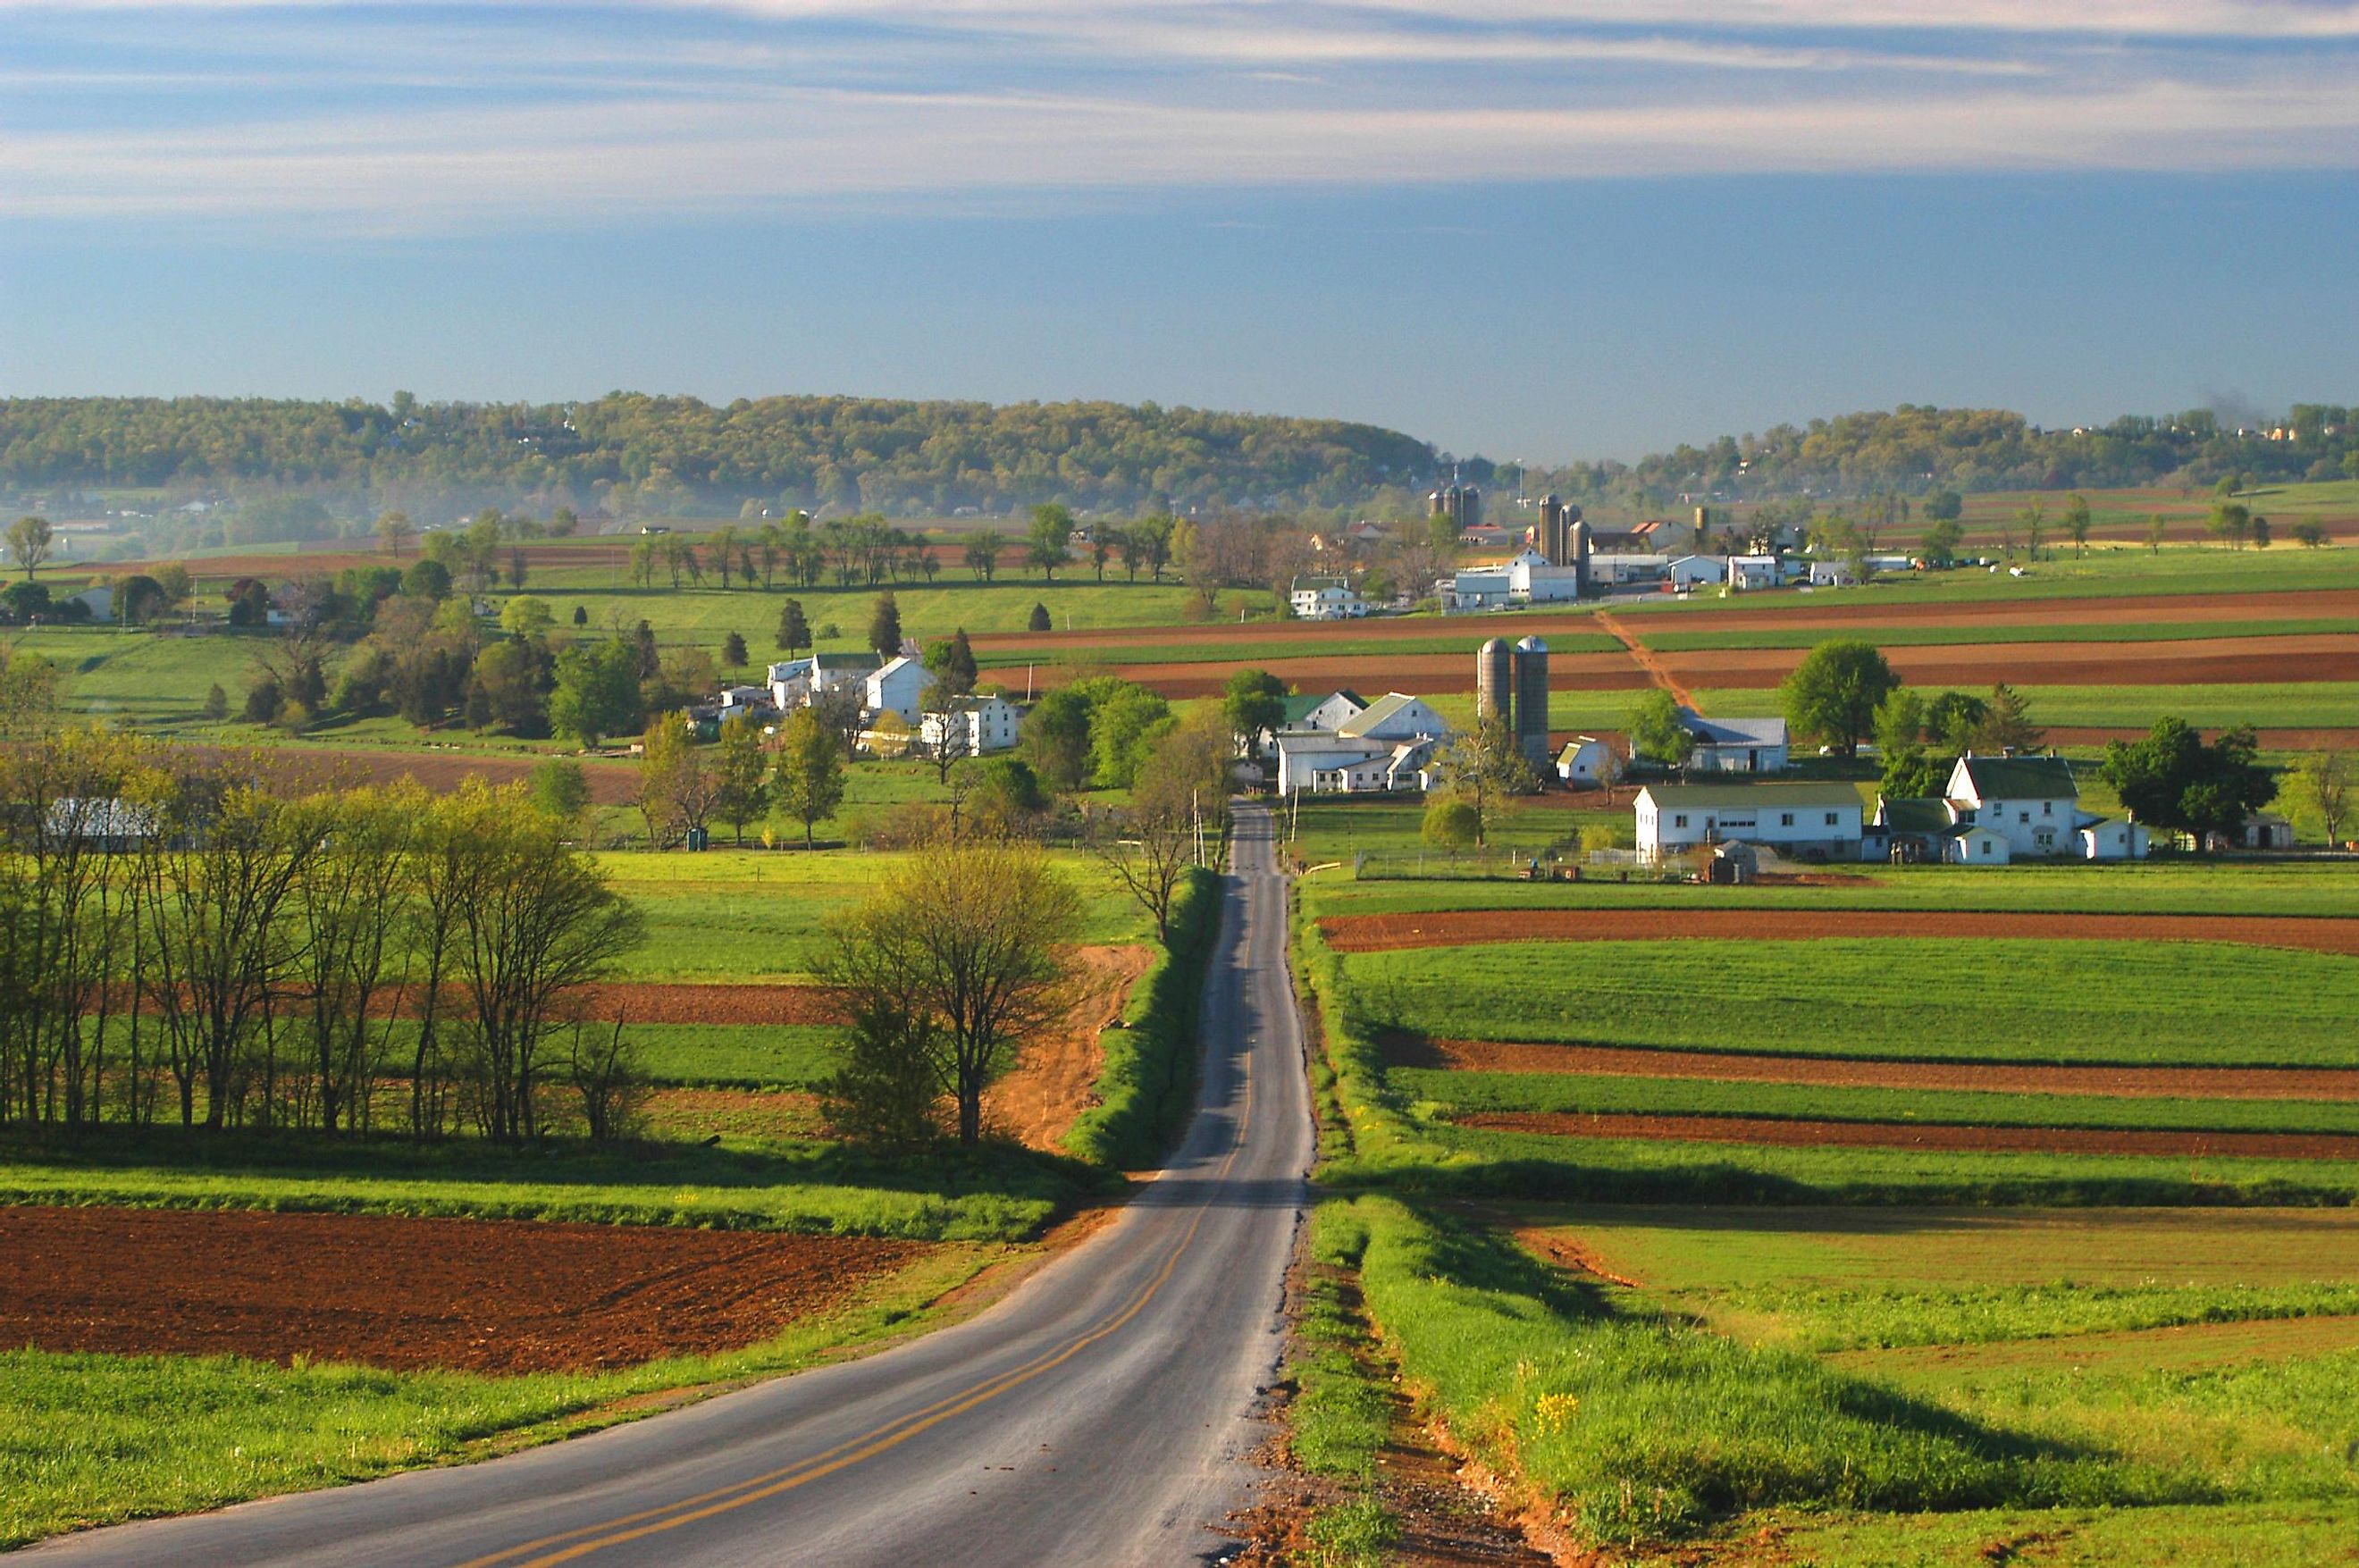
(1102, 1414)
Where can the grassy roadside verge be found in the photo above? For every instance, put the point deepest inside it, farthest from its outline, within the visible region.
(1146, 1088)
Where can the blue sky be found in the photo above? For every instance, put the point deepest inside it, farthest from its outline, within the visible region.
(1546, 230)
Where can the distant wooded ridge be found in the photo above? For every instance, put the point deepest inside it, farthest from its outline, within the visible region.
(630, 454)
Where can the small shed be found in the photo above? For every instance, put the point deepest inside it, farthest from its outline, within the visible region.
(1583, 760)
(1975, 847)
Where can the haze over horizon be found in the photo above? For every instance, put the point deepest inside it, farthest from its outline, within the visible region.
(1539, 231)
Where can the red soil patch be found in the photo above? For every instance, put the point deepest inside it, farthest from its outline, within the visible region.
(2198, 662)
(323, 766)
(1381, 933)
(1787, 1134)
(650, 1002)
(1426, 673)
(1054, 1080)
(2305, 604)
(2270, 739)
(485, 1295)
(1735, 1067)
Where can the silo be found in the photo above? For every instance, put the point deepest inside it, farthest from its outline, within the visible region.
(1470, 508)
(1532, 723)
(1495, 681)
(1552, 540)
(1580, 531)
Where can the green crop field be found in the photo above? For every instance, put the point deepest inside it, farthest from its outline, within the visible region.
(2157, 630)
(1465, 1094)
(1698, 1344)
(1897, 998)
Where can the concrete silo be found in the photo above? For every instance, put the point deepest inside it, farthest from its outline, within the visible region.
(1495, 681)
(1531, 720)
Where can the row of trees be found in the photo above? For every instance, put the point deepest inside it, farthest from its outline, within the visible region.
(181, 942)
(636, 455)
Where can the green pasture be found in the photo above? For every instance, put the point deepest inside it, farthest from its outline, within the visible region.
(2281, 704)
(2164, 887)
(763, 915)
(1970, 635)
(703, 617)
(2218, 1535)
(991, 1196)
(1363, 639)
(1454, 1093)
(737, 1056)
(1892, 998)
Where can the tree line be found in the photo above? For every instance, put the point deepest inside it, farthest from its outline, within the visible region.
(180, 942)
(636, 455)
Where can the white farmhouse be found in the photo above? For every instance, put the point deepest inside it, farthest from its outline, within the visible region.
(1326, 713)
(1388, 745)
(1811, 821)
(977, 724)
(896, 687)
(1697, 572)
(795, 681)
(1326, 599)
(2032, 801)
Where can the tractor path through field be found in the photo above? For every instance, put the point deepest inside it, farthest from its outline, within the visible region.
(1102, 1412)
(504, 1296)
(1797, 1133)
(1648, 662)
(1385, 933)
(2333, 1084)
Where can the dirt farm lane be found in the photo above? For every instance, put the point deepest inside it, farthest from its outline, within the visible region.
(1102, 1413)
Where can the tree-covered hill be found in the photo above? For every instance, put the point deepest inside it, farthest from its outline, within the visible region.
(1914, 449)
(632, 452)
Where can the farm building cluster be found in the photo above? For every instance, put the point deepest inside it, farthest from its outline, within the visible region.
(890, 689)
(1992, 811)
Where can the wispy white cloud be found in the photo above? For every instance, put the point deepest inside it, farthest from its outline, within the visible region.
(444, 113)
(399, 171)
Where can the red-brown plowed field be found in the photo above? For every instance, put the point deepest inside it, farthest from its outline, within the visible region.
(2137, 609)
(1733, 1067)
(486, 1295)
(2198, 662)
(1426, 672)
(653, 1002)
(1381, 933)
(323, 768)
(1469, 630)
(2270, 739)
(1782, 1133)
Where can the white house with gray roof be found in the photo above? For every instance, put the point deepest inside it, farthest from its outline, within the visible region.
(1809, 821)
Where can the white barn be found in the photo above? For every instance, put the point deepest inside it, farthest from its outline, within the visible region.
(1814, 821)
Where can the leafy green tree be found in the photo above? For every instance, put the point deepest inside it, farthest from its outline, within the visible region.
(30, 541)
(2174, 780)
(596, 692)
(523, 617)
(794, 631)
(1485, 768)
(741, 773)
(1831, 696)
(886, 1087)
(427, 580)
(1254, 704)
(1658, 730)
(2322, 784)
(885, 627)
(983, 554)
(1954, 720)
(733, 652)
(1900, 721)
(561, 788)
(2154, 530)
(2260, 531)
(1942, 540)
(2308, 533)
(138, 599)
(1038, 620)
(1124, 727)
(1055, 737)
(1451, 823)
(1913, 773)
(2007, 723)
(807, 781)
(1944, 507)
(2077, 518)
(1048, 542)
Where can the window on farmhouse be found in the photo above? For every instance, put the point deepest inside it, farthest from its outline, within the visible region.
(1785, 819)
(1831, 819)
(1681, 820)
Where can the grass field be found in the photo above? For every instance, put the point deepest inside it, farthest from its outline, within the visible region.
(1931, 1348)
(2061, 1002)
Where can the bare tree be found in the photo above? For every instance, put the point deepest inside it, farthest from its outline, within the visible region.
(965, 936)
(353, 897)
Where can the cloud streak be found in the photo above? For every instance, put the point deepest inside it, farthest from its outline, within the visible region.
(381, 122)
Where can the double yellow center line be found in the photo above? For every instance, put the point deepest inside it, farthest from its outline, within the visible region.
(568, 1545)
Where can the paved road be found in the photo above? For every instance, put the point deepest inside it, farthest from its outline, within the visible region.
(1100, 1415)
